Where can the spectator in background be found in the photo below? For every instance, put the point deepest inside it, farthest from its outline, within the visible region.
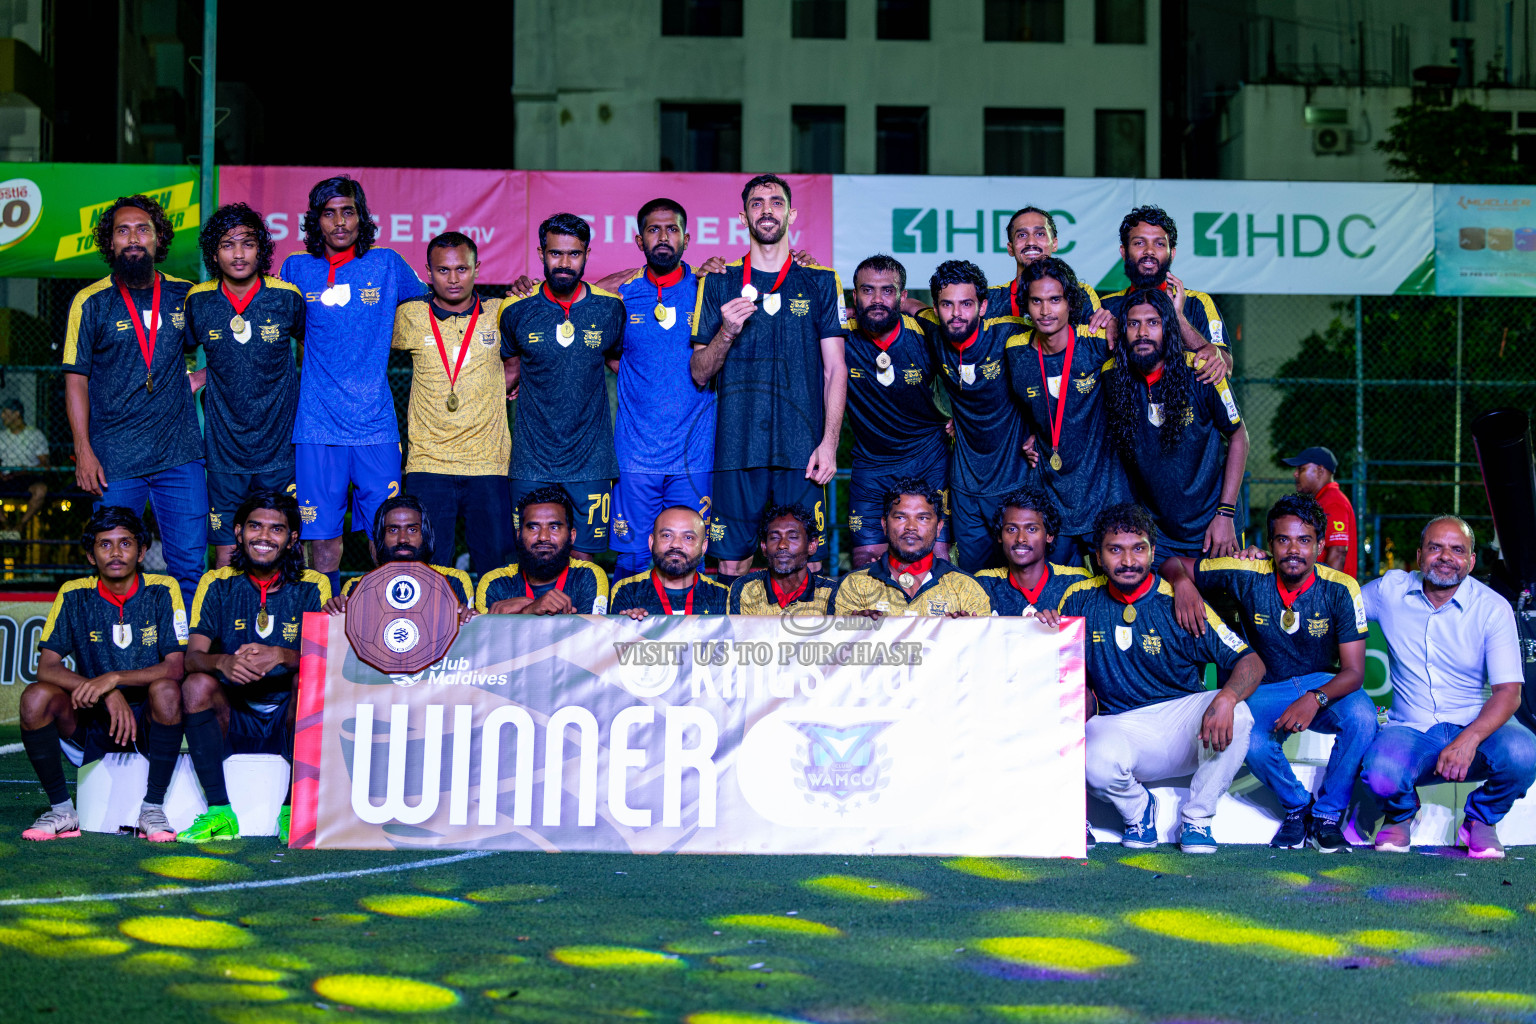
(25, 447)
(1314, 475)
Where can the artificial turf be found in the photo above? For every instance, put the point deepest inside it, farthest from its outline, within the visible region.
(1249, 934)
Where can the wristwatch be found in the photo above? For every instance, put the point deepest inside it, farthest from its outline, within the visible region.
(1322, 698)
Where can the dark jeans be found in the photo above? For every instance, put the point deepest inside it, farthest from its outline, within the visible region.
(1403, 758)
(485, 503)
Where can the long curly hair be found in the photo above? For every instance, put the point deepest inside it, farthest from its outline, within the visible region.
(224, 220)
(164, 231)
(346, 187)
(1127, 394)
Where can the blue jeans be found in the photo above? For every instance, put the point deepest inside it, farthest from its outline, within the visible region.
(1403, 758)
(484, 502)
(1350, 719)
(179, 496)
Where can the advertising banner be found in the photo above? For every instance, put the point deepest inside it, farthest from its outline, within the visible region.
(48, 215)
(707, 734)
(1485, 240)
(21, 624)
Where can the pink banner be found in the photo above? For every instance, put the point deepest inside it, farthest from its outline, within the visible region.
(501, 211)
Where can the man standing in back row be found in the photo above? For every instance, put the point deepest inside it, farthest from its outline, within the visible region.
(769, 333)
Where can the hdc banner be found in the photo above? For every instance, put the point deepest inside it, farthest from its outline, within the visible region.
(705, 734)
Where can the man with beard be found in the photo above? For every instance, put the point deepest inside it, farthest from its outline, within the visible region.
(674, 585)
(664, 428)
(1156, 719)
(908, 579)
(126, 632)
(988, 459)
(557, 344)
(125, 387)
(544, 580)
(769, 335)
(1448, 637)
(898, 431)
(1314, 469)
(457, 461)
(243, 658)
(787, 540)
(1055, 374)
(1148, 237)
(1025, 525)
(244, 319)
(345, 433)
(1031, 238)
(1307, 622)
(402, 532)
(1182, 441)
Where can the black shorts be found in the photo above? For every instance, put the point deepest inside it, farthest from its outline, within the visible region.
(258, 718)
(226, 493)
(970, 530)
(594, 505)
(866, 496)
(742, 495)
(92, 738)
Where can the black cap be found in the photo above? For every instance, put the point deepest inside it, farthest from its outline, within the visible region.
(1321, 456)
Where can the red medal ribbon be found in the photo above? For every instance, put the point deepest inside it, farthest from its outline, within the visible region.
(968, 342)
(885, 343)
(661, 594)
(917, 568)
(746, 272)
(665, 281)
(786, 599)
(559, 583)
(1135, 595)
(263, 585)
(1061, 388)
(241, 304)
(113, 599)
(337, 261)
(146, 344)
(565, 307)
(1153, 377)
(1031, 596)
(442, 350)
(1013, 296)
(1288, 597)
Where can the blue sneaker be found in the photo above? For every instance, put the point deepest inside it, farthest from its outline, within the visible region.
(1142, 835)
(1196, 839)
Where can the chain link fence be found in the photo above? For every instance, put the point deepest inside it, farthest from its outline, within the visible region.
(1390, 383)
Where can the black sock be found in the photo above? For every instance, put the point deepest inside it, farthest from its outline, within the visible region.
(162, 749)
(206, 745)
(42, 746)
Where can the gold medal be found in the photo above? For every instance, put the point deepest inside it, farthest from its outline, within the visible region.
(883, 360)
(906, 579)
(566, 330)
(453, 402)
(149, 383)
(263, 620)
(660, 312)
(1129, 615)
(749, 293)
(1056, 461)
(1288, 619)
(237, 324)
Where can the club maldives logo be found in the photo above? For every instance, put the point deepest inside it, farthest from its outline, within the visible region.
(842, 767)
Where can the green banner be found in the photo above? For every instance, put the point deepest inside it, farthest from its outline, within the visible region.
(48, 215)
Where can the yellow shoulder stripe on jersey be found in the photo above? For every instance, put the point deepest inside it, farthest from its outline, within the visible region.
(297, 252)
(909, 322)
(816, 266)
(1022, 321)
(203, 286)
(1092, 583)
(698, 307)
(1164, 587)
(1020, 340)
(1115, 295)
(637, 577)
(483, 587)
(271, 281)
(601, 291)
(76, 309)
(209, 579)
(320, 580)
(927, 313)
(1093, 296)
(597, 574)
(58, 602)
(1340, 577)
(713, 582)
(169, 583)
(346, 588)
(998, 573)
(177, 280)
(637, 275)
(1109, 364)
(1224, 632)
(1069, 570)
(455, 574)
(1261, 565)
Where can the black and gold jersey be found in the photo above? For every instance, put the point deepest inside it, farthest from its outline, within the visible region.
(891, 407)
(227, 610)
(1008, 599)
(640, 591)
(585, 583)
(874, 589)
(988, 457)
(1199, 310)
(754, 594)
(1326, 612)
(1008, 300)
(102, 638)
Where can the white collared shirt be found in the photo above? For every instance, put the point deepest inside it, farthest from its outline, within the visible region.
(1443, 660)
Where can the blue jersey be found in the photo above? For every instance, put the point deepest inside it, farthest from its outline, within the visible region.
(665, 423)
(344, 395)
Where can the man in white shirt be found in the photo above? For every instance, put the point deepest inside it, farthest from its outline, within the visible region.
(1450, 639)
(22, 448)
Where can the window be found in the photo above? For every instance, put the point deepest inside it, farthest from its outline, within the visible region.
(701, 17)
(1024, 21)
(819, 19)
(1461, 56)
(701, 136)
(901, 19)
(1122, 22)
(1024, 141)
(1120, 143)
(1461, 10)
(901, 140)
(817, 146)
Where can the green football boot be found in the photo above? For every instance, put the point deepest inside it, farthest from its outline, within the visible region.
(218, 822)
(282, 824)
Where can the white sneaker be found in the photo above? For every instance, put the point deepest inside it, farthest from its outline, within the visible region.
(54, 825)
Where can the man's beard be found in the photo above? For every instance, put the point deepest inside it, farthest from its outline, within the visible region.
(675, 563)
(1144, 364)
(547, 567)
(1153, 280)
(965, 332)
(134, 269)
(563, 280)
(877, 319)
(663, 259)
(776, 232)
(922, 550)
(401, 553)
(1444, 578)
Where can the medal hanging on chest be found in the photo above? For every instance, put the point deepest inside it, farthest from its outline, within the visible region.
(750, 293)
(1290, 621)
(1129, 614)
(1059, 419)
(239, 326)
(337, 294)
(146, 339)
(452, 401)
(122, 635)
(884, 371)
(122, 630)
(263, 620)
(566, 332)
(667, 280)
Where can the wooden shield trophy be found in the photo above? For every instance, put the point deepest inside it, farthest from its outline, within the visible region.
(402, 617)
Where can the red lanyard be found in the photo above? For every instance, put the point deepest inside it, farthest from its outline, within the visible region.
(1013, 296)
(1061, 386)
(560, 584)
(667, 281)
(442, 350)
(146, 343)
(1030, 597)
(565, 307)
(786, 599)
(262, 586)
(746, 272)
(241, 304)
(968, 341)
(113, 599)
(661, 594)
(1288, 597)
(1135, 595)
(917, 568)
(885, 343)
(337, 261)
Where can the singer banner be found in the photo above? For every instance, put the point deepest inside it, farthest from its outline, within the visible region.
(707, 734)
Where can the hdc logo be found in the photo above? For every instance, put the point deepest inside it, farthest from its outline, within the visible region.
(1219, 235)
(916, 229)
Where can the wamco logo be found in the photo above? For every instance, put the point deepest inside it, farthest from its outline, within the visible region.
(1222, 234)
(916, 229)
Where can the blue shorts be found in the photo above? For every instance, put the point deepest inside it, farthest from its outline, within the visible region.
(323, 472)
(228, 491)
(639, 497)
(866, 497)
(743, 495)
(594, 506)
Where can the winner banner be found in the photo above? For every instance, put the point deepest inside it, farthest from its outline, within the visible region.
(706, 734)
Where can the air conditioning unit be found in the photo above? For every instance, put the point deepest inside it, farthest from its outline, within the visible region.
(1330, 139)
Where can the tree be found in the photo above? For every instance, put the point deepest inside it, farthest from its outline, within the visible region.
(1460, 145)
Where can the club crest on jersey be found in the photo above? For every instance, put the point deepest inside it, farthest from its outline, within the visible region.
(717, 531)
(1317, 627)
(215, 521)
(913, 377)
(488, 338)
(1084, 385)
(370, 296)
(592, 339)
(938, 607)
(290, 632)
(1152, 644)
(307, 513)
(149, 636)
(800, 307)
(841, 762)
(1123, 637)
(621, 527)
(992, 370)
(178, 319)
(270, 333)
(855, 521)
